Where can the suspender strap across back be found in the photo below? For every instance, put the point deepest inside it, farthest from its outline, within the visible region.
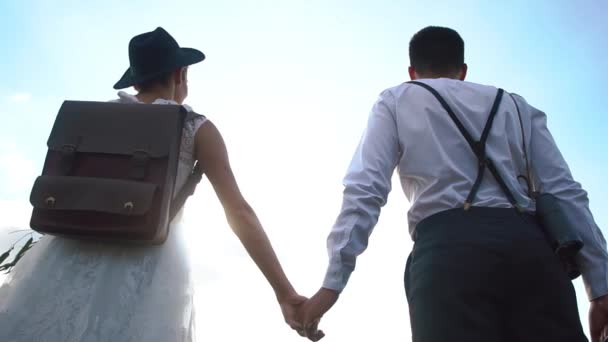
(478, 146)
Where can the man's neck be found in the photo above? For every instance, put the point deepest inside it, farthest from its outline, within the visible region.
(452, 76)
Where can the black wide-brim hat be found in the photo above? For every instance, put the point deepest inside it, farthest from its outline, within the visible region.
(152, 54)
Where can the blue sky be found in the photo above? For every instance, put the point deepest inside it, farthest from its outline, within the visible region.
(290, 84)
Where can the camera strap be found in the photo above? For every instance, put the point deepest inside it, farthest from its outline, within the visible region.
(533, 192)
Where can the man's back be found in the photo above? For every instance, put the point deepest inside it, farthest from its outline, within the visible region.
(437, 167)
(409, 129)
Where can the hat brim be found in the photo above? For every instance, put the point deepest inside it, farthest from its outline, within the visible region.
(184, 57)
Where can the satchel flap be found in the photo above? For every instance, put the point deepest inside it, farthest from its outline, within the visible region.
(118, 128)
(116, 196)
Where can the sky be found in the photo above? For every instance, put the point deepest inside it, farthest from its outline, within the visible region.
(290, 85)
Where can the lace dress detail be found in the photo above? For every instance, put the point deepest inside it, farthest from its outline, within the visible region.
(78, 291)
(186, 152)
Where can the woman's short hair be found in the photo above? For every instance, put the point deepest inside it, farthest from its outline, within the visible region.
(160, 80)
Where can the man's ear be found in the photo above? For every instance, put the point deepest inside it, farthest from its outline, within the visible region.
(412, 72)
(463, 72)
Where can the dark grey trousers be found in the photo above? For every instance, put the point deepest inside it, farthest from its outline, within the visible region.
(488, 274)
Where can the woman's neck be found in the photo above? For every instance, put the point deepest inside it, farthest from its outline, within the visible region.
(153, 95)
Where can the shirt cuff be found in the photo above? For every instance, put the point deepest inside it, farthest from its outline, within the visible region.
(596, 278)
(336, 277)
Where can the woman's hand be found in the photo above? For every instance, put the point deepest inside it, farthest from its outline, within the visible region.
(290, 306)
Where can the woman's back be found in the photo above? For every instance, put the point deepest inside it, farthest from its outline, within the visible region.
(69, 290)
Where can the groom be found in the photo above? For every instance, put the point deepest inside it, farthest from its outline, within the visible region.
(478, 272)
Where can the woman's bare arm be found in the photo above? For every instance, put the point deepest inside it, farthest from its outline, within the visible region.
(211, 152)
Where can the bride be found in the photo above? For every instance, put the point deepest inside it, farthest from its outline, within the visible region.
(70, 290)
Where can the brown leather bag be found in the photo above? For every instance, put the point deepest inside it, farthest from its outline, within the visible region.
(110, 172)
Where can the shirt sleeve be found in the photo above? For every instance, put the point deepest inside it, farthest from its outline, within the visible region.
(554, 177)
(366, 187)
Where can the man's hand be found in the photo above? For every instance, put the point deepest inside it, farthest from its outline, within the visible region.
(598, 319)
(313, 309)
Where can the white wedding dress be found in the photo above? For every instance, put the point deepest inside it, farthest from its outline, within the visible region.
(74, 291)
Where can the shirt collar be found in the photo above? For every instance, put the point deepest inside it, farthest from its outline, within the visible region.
(125, 97)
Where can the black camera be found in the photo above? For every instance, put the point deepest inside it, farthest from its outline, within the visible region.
(560, 230)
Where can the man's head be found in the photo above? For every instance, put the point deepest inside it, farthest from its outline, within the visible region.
(159, 66)
(437, 52)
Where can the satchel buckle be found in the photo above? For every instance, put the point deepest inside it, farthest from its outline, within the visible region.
(128, 206)
(50, 201)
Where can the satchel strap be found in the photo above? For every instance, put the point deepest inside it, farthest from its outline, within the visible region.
(191, 182)
(68, 155)
(186, 191)
(140, 160)
(478, 146)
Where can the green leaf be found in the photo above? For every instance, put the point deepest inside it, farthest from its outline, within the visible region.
(5, 255)
(26, 246)
(7, 267)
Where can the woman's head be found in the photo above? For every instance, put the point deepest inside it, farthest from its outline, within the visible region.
(159, 65)
(172, 85)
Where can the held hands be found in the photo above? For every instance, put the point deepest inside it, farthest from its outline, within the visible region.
(311, 311)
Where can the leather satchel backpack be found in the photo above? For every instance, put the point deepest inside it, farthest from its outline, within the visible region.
(110, 171)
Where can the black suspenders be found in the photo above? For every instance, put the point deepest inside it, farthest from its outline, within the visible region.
(478, 147)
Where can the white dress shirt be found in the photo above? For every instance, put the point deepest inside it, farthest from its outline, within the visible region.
(408, 129)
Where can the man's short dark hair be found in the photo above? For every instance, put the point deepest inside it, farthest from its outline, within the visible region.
(437, 50)
(160, 80)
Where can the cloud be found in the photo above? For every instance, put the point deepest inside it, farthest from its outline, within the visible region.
(17, 172)
(20, 97)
